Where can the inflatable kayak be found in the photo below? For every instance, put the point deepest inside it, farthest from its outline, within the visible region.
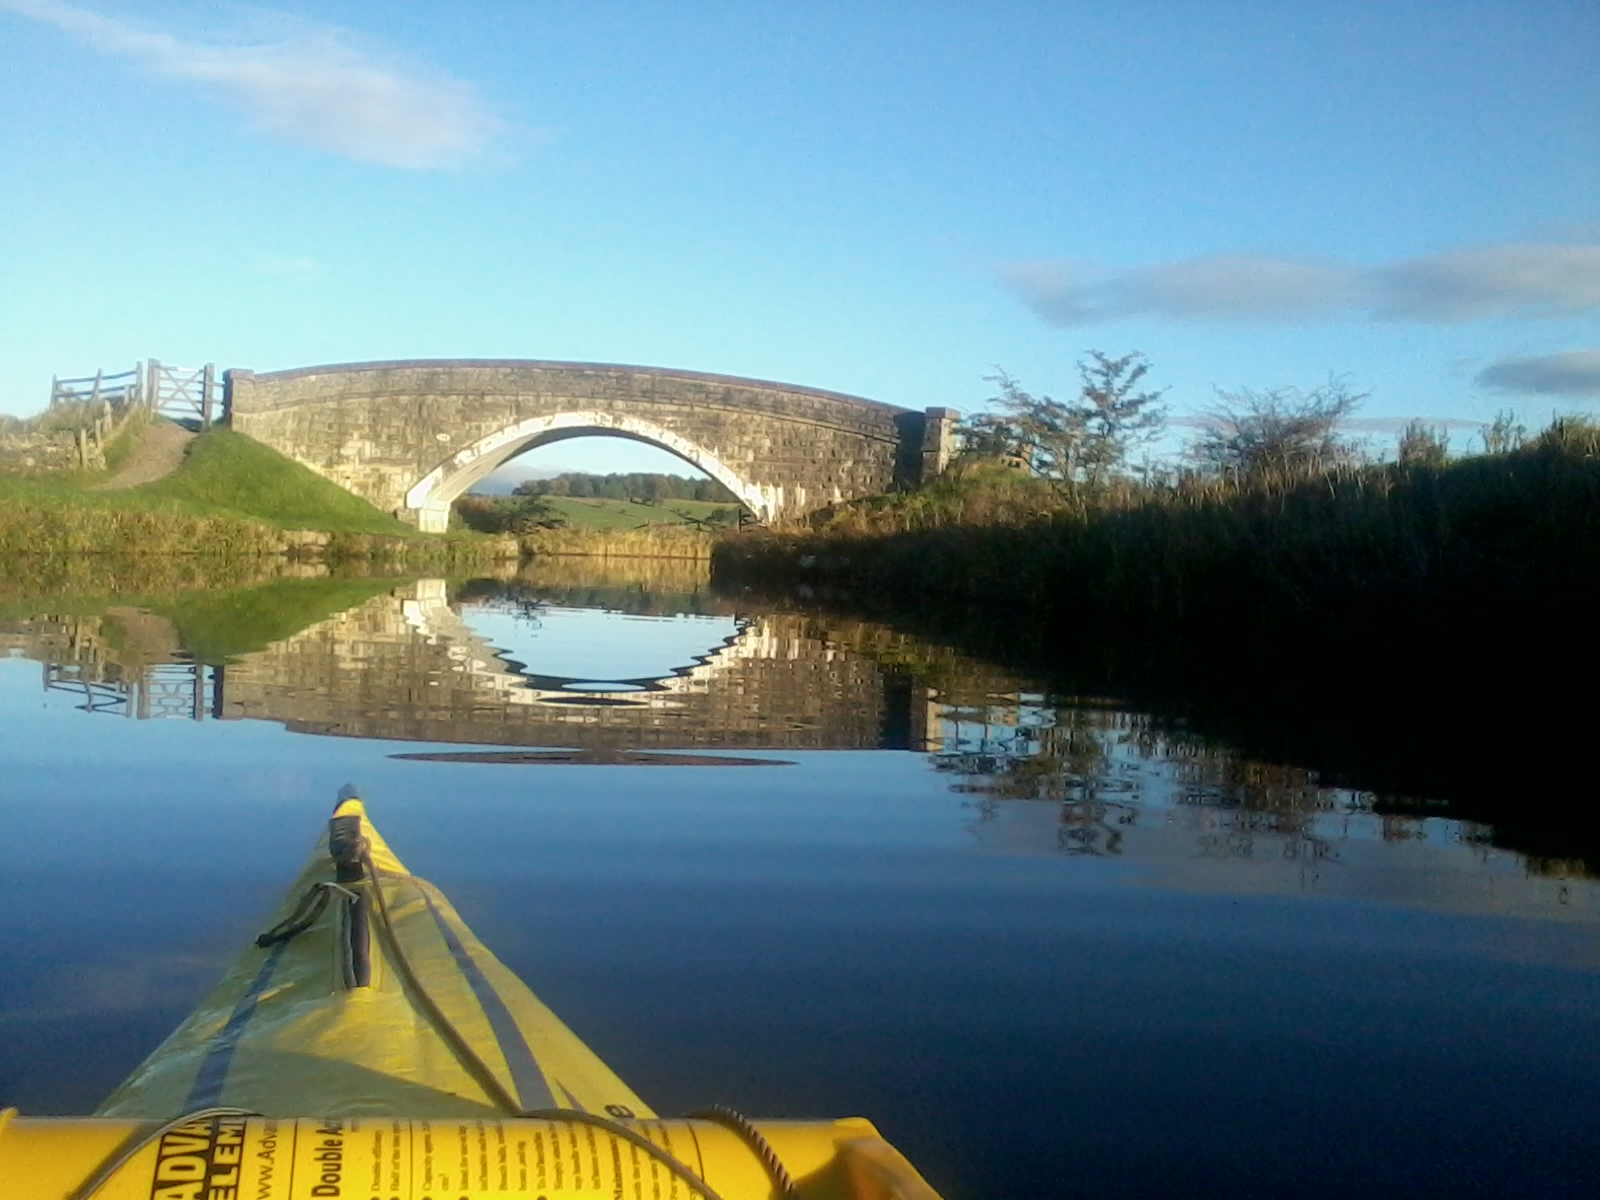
(370, 1046)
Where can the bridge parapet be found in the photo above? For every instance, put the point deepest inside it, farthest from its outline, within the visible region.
(412, 436)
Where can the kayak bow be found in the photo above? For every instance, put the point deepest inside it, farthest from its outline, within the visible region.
(435, 1072)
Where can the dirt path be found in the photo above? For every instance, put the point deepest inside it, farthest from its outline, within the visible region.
(158, 452)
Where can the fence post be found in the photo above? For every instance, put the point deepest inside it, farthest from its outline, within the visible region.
(152, 375)
(208, 380)
(53, 386)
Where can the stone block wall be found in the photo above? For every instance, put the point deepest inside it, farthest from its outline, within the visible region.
(411, 436)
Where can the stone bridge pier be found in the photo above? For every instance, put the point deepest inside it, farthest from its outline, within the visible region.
(412, 436)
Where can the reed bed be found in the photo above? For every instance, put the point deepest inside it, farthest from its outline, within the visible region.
(44, 527)
(652, 541)
(44, 530)
(1480, 532)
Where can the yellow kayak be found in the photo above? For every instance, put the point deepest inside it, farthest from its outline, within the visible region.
(370, 1046)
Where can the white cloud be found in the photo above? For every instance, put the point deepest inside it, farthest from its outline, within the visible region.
(1241, 286)
(1574, 373)
(306, 84)
(1516, 280)
(1520, 280)
(1237, 286)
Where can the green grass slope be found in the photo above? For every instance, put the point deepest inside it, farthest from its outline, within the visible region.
(231, 496)
(229, 473)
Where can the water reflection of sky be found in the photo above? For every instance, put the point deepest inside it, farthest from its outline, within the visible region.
(593, 644)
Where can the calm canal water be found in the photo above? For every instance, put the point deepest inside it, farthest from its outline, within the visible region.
(1047, 947)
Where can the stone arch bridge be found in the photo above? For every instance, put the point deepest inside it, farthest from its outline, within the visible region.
(412, 436)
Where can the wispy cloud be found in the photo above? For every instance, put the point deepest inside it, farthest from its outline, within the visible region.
(1241, 287)
(1518, 279)
(1526, 280)
(305, 83)
(1575, 373)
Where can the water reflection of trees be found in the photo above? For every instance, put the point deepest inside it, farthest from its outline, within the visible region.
(1263, 802)
(1107, 769)
(1110, 772)
(1075, 757)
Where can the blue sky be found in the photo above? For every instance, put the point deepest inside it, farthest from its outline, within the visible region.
(889, 200)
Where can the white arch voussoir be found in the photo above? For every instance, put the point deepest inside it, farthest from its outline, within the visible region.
(430, 498)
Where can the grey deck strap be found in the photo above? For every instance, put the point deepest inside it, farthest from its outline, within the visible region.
(526, 1077)
(207, 1088)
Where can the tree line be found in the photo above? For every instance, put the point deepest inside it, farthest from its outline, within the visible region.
(647, 487)
(1082, 444)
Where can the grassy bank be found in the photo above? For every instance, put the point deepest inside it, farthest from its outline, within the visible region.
(653, 541)
(1411, 630)
(231, 498)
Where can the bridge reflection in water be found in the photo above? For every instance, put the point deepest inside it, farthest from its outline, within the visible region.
(415, 664)
(410, 666)
(502, 664)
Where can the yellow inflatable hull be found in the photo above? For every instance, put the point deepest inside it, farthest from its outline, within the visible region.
(434, 1072)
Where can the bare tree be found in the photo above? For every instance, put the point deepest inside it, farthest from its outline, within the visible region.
(1077, 443)
(1117, 415)
(1280, 432)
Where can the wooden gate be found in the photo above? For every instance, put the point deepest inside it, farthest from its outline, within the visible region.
(184, 394)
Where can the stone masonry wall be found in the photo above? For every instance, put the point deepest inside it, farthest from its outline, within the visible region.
(381, 429)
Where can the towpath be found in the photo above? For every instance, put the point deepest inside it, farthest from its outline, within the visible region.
(158, 452)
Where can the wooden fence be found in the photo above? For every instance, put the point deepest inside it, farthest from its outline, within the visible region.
(120, 390)
(185, 394)
(105, 403)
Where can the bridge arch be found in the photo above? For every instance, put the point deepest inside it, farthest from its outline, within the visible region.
(430, 498)
(411, 436)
